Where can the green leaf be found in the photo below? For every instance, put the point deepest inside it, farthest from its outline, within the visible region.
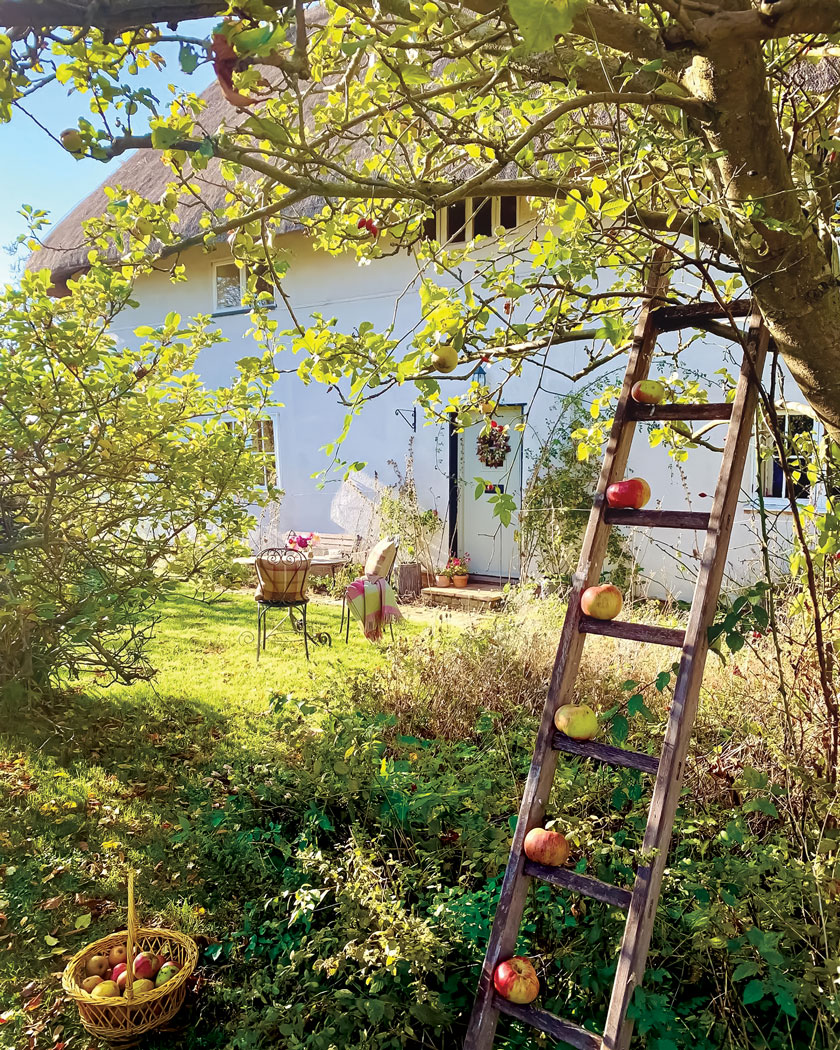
(761, 805)
(165, 138)
(50, 941)
(636, 706)
(753, 992)
(187, 58)
(620, 728)
(540, 21)
(83, 921)
(745, 969)
(786, 1002)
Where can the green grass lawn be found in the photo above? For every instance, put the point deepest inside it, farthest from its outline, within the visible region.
(104, 778)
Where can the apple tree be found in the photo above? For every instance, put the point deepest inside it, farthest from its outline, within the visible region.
(708, 125)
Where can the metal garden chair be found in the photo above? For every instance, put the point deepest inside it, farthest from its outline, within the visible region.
(282, 574)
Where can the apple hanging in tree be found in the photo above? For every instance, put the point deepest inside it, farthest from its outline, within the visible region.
(649, 392)
(445, 358)
(71, 139)
(630, 494)
(516, 980)
(602, 602)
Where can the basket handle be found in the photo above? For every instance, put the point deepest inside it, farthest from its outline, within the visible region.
(132, 939)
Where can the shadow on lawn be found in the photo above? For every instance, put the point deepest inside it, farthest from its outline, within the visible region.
(135, 775)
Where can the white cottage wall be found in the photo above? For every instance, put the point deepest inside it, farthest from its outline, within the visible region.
(379, 292)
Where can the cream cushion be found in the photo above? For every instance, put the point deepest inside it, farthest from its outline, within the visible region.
(381, 558)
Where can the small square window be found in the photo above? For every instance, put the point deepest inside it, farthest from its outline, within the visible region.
(228, 287)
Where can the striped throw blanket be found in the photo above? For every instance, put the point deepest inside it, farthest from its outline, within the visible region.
(372, 601)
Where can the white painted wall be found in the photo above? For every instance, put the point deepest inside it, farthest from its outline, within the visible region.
(311, 416)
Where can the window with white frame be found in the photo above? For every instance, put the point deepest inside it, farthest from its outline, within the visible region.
(228, 287)
(804, 445)
(476, 217)
(265, 441)
(230, 284)
(262, 438)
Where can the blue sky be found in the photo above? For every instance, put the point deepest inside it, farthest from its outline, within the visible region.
(37, 171)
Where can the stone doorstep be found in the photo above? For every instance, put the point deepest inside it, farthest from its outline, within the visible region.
(473, 599)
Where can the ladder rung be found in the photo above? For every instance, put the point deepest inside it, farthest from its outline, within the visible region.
(690, 315)
(635, 632)
(585, 884)
(641, 413)
(658, 519)
(613, 756)
(565, 1031)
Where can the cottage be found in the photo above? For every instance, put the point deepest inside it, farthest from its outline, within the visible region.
(446, 463)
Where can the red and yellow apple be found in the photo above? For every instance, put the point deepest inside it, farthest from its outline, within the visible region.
(96, 965)
(118, 954)
(516, 980)
(146, 966)
(89, 983)
(630, 494)
(546, 847)
(649, 392)
(117, 970)
(445, 358)
(602, 602)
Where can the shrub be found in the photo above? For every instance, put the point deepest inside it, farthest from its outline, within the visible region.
(110, 453)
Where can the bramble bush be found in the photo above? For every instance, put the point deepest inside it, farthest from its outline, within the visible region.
(381, 854)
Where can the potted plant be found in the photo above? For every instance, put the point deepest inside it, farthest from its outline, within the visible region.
(443, 577)
(460, 569)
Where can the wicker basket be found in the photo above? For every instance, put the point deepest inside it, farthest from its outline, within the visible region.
(121, 1019)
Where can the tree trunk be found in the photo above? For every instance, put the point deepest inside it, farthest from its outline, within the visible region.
(787, 269)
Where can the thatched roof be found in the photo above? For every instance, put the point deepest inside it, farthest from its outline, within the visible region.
(65, 251)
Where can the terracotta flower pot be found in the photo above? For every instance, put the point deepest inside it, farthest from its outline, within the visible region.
(460, 581)
(442, 581)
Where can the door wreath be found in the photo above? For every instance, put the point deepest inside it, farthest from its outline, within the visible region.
(493, 445)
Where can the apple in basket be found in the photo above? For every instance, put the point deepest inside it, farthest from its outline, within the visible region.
(89, 983)
(166, 973)
(119, 969)
(96, 965)
(106, 989)
(146, 966)
(118, 954)
(142, 987)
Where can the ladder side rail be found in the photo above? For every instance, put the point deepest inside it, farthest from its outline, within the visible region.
(513, 893)
(666, 793)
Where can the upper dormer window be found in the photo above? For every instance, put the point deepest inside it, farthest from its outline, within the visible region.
(476, 217)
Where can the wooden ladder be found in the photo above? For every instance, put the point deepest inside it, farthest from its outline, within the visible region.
(641, 902)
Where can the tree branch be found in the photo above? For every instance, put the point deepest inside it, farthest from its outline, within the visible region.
(768, 21)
